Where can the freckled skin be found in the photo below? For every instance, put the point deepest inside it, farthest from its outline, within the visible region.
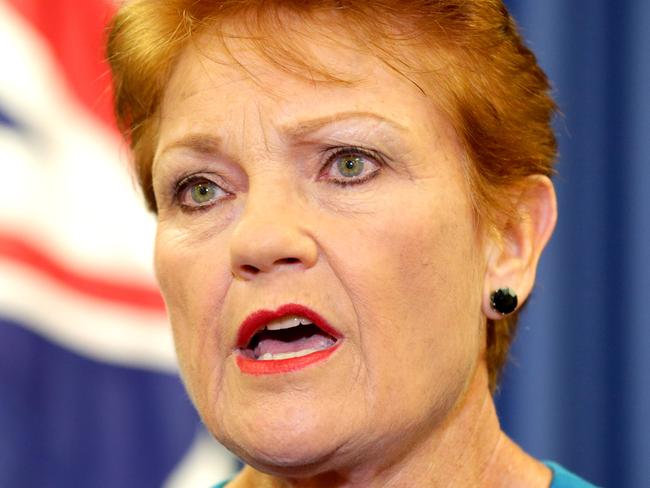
(394, 263)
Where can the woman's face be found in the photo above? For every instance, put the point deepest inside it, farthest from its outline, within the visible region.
(347, 199)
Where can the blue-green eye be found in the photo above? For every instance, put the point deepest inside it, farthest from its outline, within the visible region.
(196, 192)
(351, 165)
(202, 193)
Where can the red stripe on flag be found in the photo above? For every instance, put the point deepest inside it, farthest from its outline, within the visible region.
(75, 31)
(20, 251)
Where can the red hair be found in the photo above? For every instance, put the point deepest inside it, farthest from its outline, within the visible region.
(465, 54)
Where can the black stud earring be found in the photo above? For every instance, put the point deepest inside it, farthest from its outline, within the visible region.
(504, 301)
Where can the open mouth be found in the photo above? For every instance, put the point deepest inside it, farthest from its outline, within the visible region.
(287, 338)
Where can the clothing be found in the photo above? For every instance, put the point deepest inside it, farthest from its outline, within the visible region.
(565, 479)
(561, 478)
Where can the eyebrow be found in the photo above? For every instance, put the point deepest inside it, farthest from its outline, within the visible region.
(304, 128)
(210, 144)
(202, 143)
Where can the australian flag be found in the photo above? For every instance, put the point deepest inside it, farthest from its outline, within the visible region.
(89, 394)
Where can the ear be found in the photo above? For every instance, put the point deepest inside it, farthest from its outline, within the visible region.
(512, 258)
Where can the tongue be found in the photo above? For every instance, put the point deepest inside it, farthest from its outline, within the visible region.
(273, 346)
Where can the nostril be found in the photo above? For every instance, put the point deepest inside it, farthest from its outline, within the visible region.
(250, 269)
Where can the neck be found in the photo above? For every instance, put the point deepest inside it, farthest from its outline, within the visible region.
(469, 449)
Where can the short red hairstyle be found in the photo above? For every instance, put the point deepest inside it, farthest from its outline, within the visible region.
(465, 54)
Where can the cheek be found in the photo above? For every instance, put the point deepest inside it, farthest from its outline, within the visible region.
(441, 314)
(417, 295)
(193, 279)
(423, 258)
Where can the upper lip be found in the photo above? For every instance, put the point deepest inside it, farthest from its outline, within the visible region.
(258, 319)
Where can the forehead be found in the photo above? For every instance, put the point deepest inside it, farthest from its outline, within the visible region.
(218, 81)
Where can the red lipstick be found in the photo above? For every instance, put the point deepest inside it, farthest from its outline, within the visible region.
(259, 319)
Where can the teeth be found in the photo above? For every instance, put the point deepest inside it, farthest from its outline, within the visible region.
(287, 323)
(285, 355)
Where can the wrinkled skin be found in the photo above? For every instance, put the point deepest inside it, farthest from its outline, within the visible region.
(396, 263)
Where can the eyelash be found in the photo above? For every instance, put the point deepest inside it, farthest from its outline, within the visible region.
(373, 156)
(185, 183)
(183, 186)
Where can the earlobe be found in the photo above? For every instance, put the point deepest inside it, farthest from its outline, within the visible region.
(504, 301)
(512, 261)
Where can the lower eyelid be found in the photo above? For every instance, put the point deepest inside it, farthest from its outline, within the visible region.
(351, 182)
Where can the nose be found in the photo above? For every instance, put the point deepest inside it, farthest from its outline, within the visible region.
(270, 236)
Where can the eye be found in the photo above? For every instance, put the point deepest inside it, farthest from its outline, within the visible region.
(197, 192)
(351, 166)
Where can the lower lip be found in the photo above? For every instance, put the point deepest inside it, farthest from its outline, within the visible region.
(258, 367)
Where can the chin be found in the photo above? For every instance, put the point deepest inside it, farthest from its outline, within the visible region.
(285, 446)
(289, 460)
